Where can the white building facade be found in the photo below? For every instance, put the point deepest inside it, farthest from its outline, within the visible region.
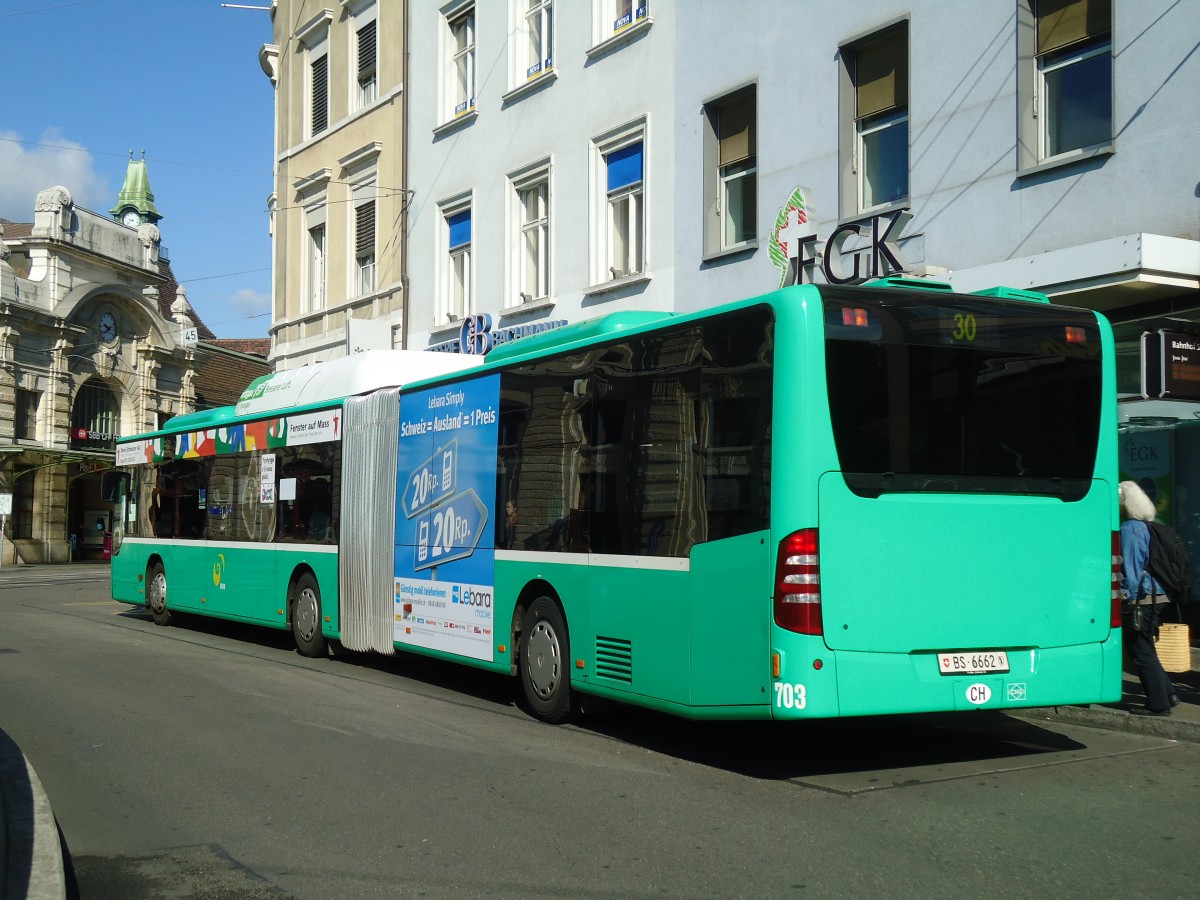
(572, 159)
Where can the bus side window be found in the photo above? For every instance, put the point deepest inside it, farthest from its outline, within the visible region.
(308, 493)
(316, 508)
(162, 501)
(733, 420)
(191, 500)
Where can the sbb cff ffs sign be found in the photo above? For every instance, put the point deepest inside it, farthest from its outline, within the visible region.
(1171, 365)
(84, 434)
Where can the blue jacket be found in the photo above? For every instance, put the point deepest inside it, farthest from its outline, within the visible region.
(1135, 553)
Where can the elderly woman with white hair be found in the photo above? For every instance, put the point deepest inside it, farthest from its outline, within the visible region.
(1144, 600)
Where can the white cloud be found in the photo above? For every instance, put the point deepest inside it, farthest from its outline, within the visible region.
(250, 302)
(30, 167)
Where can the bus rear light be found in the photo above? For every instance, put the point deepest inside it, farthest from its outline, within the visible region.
(1118, 576)
(798, 583)
(857, 317)
(1076, 335)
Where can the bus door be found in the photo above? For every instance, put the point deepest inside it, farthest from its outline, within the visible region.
(238, 571)
(178, 515)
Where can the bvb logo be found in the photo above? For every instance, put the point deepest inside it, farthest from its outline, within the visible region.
(219, 568)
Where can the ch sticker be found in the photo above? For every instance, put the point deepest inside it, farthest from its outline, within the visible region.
(219, 569)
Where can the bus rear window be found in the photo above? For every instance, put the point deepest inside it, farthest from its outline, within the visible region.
(967, 396)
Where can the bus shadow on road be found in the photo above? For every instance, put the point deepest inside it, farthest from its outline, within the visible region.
(840, 755)
(185, 623)
(848, 755)
(448, 681)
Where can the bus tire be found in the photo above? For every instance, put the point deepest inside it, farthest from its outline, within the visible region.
(545, 650)
(156, 594)
(306, 617)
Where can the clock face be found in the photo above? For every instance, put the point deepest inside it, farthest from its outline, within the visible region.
(132, 219)
(108, 327)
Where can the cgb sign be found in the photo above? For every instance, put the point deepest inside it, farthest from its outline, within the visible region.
(476, 335)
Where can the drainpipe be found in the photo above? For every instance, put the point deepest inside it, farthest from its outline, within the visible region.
(406, 197)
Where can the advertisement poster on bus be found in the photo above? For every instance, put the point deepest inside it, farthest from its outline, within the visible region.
(446, 491)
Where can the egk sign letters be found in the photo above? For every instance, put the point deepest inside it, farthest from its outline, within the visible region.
(798, 251)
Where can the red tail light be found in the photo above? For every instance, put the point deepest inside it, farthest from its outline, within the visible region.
(798, 583)
(855, 317)
(1118, 576)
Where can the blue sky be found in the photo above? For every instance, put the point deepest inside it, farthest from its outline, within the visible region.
(90, 80)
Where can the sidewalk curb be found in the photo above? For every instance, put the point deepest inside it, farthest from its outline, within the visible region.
(31, 863)
(1115, 720)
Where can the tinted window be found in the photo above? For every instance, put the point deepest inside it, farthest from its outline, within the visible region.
(970, 396)
(640, 447)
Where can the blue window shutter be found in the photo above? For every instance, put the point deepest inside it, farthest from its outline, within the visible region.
(624, 166)
(460, 228)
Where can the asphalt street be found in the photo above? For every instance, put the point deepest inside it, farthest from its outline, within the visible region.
(210, 760)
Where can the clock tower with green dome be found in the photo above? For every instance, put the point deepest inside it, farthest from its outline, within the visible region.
(135, 202)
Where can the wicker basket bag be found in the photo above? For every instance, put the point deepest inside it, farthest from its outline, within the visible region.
(1174, 648)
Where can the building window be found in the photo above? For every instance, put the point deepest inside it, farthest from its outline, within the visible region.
(532, 228)
(23, 483)
(1074, 74)
(365, 55)
(312, 39)
(25, 415)
(613, 17)
(460, 61)
(96, 417)
(731, 180)
(364, 245)
(318, 90)
(538, 37)
(457, 289)
(315, 292)
(623, 228)
(876, 172)
(1064, 80)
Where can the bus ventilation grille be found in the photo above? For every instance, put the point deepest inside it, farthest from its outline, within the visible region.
(614, 659)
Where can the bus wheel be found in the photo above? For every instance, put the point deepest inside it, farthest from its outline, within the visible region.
(306, 617)
(545, 675)
(156, 595)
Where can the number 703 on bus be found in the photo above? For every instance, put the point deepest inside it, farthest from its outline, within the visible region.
(790, 696)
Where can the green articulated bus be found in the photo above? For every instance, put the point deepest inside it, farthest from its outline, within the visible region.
(825, 501)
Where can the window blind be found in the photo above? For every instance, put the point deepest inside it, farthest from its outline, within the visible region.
(320, 94)
(881, 73)
(735, 124)
(624, 166)
(366, 52)
(1064, 22)
(364, 228)
(460, 228)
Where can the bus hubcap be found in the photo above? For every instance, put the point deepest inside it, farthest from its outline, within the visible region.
(306, 614)
(543, 662)
(158, 593)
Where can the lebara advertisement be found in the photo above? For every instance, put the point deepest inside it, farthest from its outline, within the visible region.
(445, 547)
